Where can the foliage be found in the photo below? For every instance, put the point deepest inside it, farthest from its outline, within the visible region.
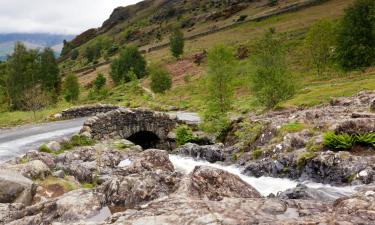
(184, 135)
(130, 59)
(78, 140)
(177, 43)
(272, 82)
(346, 141)
(356, 37)
(249, 132)
(161, 80)
(99, 81)
(49, 73)
(257, 153)
(71, 88)
(35, 99)
(319, 42)
(302, 158)
(292, 127)
(44, 148)
(219, 83)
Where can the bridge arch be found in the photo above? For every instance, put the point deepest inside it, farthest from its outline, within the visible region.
(144, 127)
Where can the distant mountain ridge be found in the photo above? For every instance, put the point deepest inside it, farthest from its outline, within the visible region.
(32, 41)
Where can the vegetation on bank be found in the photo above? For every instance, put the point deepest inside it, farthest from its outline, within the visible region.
(307, 70)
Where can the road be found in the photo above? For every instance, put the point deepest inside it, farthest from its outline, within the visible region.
(18, 140)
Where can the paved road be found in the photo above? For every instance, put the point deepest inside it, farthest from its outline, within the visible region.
(18, 140)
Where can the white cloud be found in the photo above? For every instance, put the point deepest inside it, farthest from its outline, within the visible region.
(55, 16)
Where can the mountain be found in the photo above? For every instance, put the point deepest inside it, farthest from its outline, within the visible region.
(32, 41)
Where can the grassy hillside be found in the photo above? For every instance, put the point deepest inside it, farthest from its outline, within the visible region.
(189, 88)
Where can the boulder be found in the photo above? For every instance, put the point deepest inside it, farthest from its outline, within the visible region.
(211, 153)
(215, 184)
(54, 146)
(35, 169)
(306, 193)
(356, 126)
(15, 188)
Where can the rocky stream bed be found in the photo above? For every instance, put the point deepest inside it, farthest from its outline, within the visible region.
(270, 169)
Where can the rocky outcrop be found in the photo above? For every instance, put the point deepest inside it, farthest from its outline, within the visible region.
(215, 184)
(15, 188)
(84, 111)
(211, 153)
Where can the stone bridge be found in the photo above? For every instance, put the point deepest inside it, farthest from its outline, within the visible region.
(143, 127)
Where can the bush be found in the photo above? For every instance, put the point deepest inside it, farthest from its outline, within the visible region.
(356, 37)
(74, 55)
(161, 81)
(78, 140)
(184, 135)
(257, 153)
(272, 83)
(71, 88)
(177, 43)
(130, 59)
(99, 81)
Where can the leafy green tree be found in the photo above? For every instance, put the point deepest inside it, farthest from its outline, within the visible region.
(4, 87)
(319, 42)
(49, 73)
(356, 36)
(177, 43)
(99, 81)
(71, 88)
(272, 82)
(161, 80)
(130, 59)
(220, 89)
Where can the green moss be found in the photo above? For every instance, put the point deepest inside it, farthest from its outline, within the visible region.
(88, 185)
(45, 149)
(66, 184)
(292, 127)
(313, 147)
(249, 132)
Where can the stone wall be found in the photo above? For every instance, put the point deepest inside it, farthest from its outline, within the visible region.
(84, 111)
(123, 123)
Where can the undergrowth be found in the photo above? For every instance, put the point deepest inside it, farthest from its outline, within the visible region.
(346, 141)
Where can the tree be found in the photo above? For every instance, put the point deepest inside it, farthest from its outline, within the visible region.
(272, 82)
(71, 88)
(130, 59)
(49, 73)
(356, 36)
(35, 99)
(161, 80)
(319, 42)
(4, 86)
(177, 43)
(219, 88)
(99, 81)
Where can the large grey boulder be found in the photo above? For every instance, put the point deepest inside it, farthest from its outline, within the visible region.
(15, 188)
(211, 153)
(215, 184)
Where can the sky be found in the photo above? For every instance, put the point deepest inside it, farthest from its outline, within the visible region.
(55, 16)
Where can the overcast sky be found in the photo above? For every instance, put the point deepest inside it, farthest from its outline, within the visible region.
(55, 16)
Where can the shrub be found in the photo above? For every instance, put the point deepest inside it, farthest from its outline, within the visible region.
(184, 135)
(177, 43)
(74, 55)
(257, 153)
(78, 140)
(71, 88)
(338, 141)
(272, 83)
(130, 59)
(356, 36)
(161, 80)
(99, 81)
(45, 149)
(365, 139)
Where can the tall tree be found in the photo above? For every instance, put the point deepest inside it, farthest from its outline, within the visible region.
(5, 100)
(219, 88)
(49, 72)
(177, 43)
(356, 37)
(272, 81)
(319, 42)
(71, 88)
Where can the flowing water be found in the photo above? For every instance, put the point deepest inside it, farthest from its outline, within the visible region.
(265, 185)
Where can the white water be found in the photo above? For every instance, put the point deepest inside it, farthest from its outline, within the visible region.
(265, 185)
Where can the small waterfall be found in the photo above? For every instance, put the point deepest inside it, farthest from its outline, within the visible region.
(265, 185)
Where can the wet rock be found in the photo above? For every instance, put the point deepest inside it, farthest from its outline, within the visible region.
(211, 153)
(215, 184)
(306, 193)
(15, 188)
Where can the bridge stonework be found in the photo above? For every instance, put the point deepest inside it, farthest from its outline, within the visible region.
(124, 123)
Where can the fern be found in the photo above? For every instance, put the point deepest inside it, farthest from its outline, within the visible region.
(338, 141)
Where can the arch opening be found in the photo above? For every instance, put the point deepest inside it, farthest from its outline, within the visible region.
(146, 139)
